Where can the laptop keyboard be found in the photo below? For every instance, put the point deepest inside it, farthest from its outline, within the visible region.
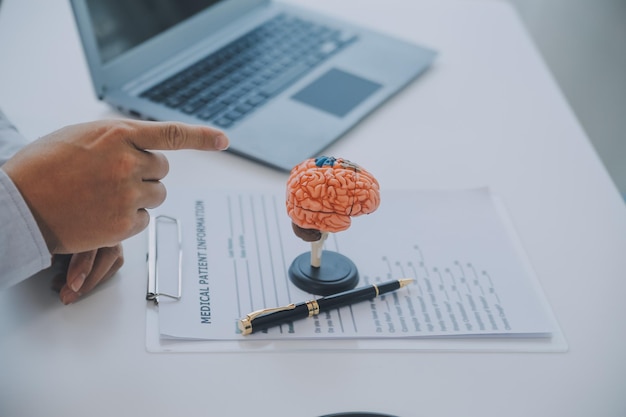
(233, 82)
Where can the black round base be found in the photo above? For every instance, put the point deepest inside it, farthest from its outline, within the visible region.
(337, 273)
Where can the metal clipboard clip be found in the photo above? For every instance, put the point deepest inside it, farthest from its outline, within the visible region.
(153, 292)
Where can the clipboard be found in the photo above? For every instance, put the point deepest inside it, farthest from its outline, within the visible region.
(170, 223)
(153, 292)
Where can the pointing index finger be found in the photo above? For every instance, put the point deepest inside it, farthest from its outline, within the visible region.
(170, 136)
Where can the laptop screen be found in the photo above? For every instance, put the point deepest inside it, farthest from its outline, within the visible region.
(120, 25)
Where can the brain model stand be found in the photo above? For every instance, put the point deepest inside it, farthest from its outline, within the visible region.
(322, 196)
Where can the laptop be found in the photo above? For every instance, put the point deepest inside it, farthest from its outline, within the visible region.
(281, 81)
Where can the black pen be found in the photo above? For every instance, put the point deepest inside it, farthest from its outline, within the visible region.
(268, 317)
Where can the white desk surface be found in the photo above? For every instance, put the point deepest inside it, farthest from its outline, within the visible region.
(488, 113)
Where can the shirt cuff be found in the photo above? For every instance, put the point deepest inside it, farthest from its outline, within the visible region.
(23, 250)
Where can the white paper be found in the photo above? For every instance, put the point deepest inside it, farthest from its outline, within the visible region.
(471, 278)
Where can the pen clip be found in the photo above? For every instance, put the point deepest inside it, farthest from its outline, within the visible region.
(245, 324)
(265, 311)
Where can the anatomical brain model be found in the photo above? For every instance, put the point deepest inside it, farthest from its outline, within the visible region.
(322, 196)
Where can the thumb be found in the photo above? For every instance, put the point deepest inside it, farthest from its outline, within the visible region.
(170, 136)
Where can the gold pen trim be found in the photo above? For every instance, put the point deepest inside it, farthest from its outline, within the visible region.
(245, 324)
(405, 281)
(314, 308)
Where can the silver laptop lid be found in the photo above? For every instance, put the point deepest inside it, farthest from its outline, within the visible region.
(124, 39)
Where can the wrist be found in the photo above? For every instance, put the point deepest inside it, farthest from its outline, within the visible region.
(46, 233)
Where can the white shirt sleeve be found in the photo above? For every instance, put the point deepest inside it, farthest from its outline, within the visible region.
(23, 250)
(10, 139)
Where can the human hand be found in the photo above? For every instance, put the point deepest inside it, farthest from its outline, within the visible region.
(87, 270)
(89, 185)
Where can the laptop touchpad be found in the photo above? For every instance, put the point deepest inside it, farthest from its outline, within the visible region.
(336, 92)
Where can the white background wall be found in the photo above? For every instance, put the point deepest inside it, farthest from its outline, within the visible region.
(584, 44)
